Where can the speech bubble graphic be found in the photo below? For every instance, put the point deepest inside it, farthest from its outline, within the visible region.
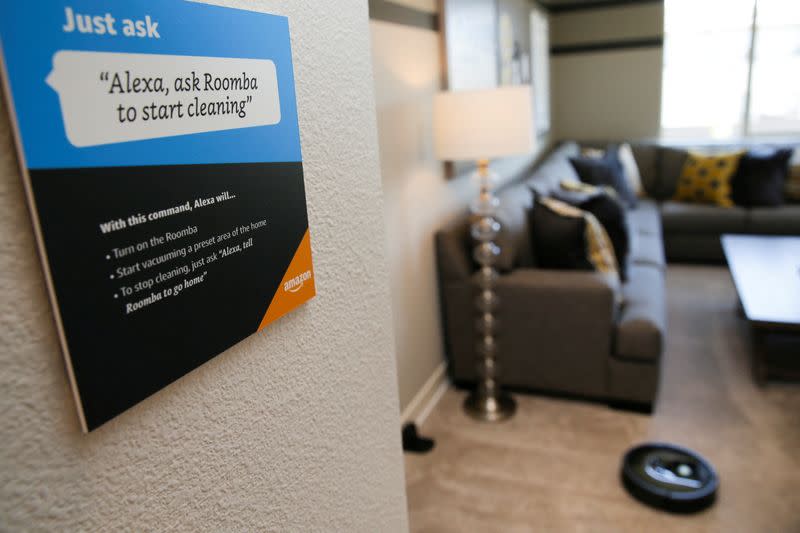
(109, 98)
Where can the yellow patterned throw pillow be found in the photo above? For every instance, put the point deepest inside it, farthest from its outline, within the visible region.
(585, 188)
(706, 179)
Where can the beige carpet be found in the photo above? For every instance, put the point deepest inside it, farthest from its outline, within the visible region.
(554, 467)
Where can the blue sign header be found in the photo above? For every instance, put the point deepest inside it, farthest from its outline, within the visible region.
(138, 83)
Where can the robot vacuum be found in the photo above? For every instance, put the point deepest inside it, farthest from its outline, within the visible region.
(669, 477)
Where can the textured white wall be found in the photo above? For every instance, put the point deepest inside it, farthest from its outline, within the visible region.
(294, 429)
(418, 196)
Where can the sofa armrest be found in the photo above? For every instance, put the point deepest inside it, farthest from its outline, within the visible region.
(556, 329)
(569, 302)
(590, 287)
(452, 253)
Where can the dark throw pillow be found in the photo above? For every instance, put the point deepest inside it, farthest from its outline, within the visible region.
(605, 171)
(760, 178)
(559, 241)
(566, 237)
(611, 214)
(607, 208)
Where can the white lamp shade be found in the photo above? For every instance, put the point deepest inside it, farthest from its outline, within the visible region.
(472, 125)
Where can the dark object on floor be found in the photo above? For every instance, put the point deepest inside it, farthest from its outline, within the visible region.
(413, 442)
(669, 477)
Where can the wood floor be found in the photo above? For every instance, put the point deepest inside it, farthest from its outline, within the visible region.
(554, 467)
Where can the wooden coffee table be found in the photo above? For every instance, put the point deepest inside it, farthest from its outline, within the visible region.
(766, 272)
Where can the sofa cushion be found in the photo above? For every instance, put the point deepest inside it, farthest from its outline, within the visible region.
(693, 247)
(677, 217)
(648, 250)
(633, 381)
(566, 149)
(642, 324)
(645, 219)
(792, 191)
(783, 220)
(761, 177)
(452, 258)
(540, 313)
(646, 156)
(554, 169)
(670, 164)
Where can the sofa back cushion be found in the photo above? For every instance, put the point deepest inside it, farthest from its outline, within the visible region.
(646, 156)
(792, 193)
(554, 169)
(630, 169)
(514, 238)
(453, 252)
(670, 165)
(455, 244)
(670, 161)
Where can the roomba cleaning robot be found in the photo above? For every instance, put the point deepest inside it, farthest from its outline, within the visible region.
(669, 477)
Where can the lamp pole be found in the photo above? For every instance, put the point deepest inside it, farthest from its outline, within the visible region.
(487, 402)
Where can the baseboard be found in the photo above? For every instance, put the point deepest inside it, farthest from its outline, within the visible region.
(427, 397)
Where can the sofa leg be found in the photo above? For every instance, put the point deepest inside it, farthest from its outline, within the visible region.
(645, 408)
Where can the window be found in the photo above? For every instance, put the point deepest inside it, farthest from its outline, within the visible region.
(540, 66)
(731, 68)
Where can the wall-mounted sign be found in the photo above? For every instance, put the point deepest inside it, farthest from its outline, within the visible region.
(160, 151)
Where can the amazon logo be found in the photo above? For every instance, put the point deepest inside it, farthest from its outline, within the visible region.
(297, 282)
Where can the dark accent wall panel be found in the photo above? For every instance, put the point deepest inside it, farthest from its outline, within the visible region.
(600, 4)
(626, 44)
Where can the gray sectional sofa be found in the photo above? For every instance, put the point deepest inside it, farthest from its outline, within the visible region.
(692, 232)
(562, 331)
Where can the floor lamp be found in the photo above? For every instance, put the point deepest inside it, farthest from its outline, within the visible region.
(479, 126)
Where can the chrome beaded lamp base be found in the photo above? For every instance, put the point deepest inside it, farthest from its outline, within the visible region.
(488, 402)
(490, 408)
